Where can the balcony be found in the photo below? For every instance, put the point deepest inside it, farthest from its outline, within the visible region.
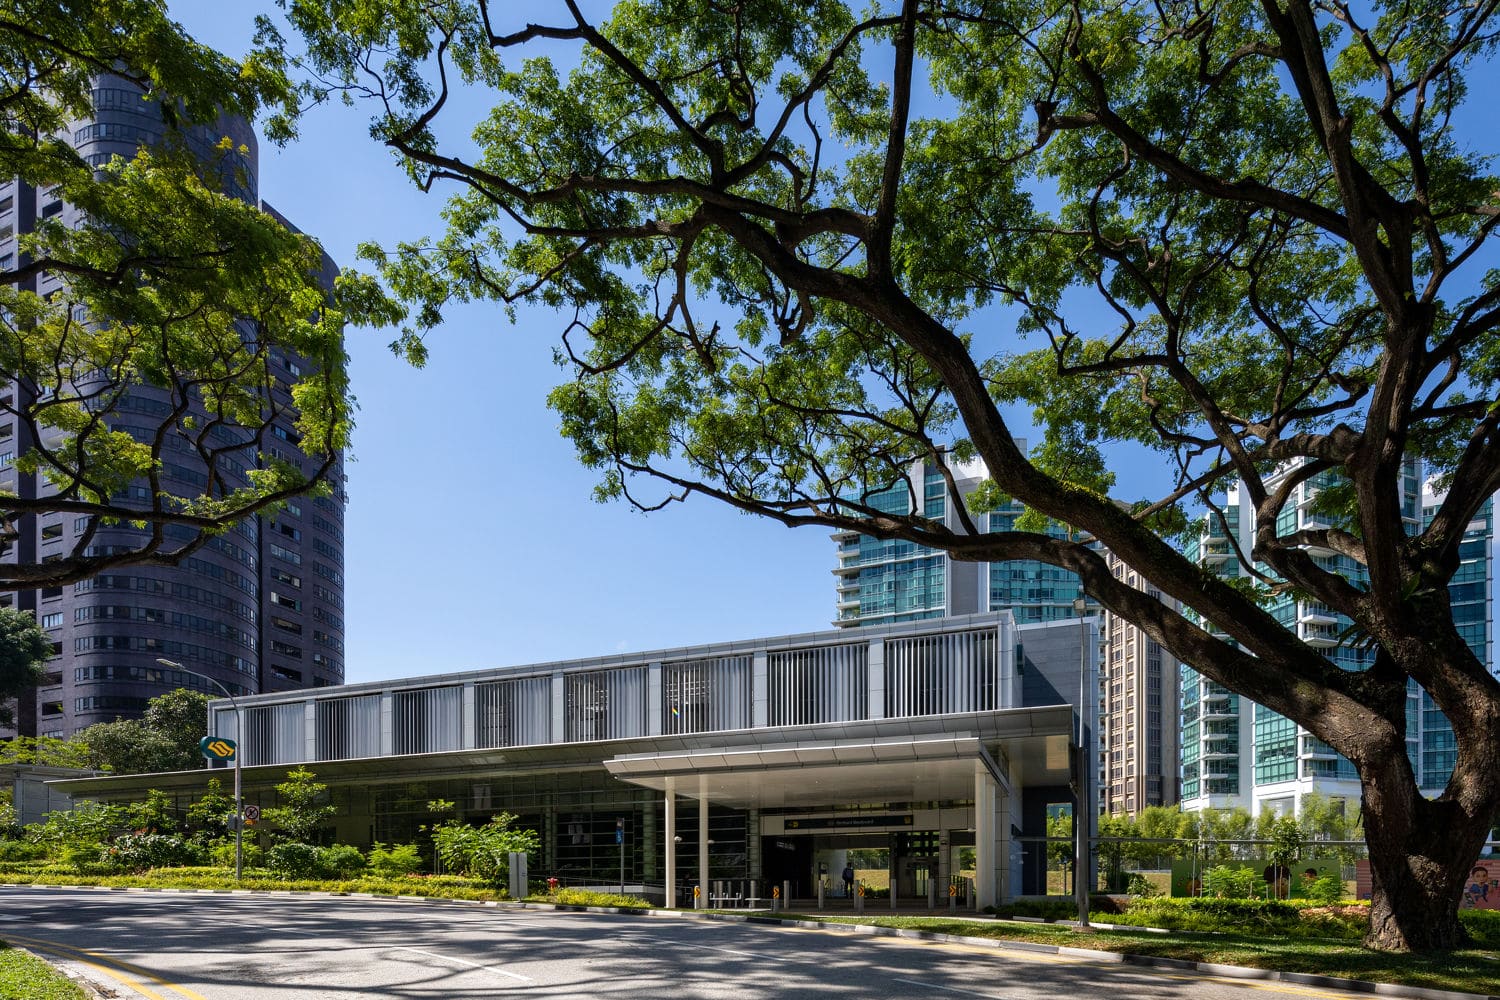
(1318, 635)
(1314, 612)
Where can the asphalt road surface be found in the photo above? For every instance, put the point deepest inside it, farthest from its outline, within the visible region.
(168, 946)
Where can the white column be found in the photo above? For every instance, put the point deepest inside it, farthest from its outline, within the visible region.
(985, 861)
(760, 689)
(387, 724)
(559, 706)
(875, 680)
(310, 730)
(653, 699)
(468, 719)
(703, 842)
(671, 842)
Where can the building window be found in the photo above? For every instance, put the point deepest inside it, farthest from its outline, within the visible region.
(53, 620)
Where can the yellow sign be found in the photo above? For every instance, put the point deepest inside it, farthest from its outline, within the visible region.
(217, 748)
(776, 892)
(952, 889)
(697, 892)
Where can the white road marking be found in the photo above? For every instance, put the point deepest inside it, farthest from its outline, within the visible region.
(935, 986)
(464, 961)
(731, 951)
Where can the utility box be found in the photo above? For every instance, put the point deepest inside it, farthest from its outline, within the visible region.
(518, 878)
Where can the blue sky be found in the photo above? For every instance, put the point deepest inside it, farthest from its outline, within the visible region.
(471, 537)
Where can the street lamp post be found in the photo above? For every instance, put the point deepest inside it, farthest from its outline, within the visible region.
(1083, 817)
(239, 752)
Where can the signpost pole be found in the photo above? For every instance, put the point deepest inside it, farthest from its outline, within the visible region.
(239, 738)
(620, 840)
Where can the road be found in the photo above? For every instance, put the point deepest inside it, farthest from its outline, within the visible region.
(272, 947)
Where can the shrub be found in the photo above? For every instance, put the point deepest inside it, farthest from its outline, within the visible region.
(1326, 890)
(1141, 886)
(1213, 915)
(1483, 926)
(396, 860)
(222, 854)
(1229, 882)
(137, 852)
(340, 861)
(585, 897)
(482, 852)
(20, 850)
(291, 860)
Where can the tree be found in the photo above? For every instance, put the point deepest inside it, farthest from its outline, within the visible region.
(170, 284)
(24, 649)
(1251, 238)
(302, 808)
(181, 717)
(165, 738)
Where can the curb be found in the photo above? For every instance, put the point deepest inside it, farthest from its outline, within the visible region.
(1064, 951)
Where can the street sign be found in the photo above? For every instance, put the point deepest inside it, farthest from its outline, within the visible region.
(619, 836)
(217, 747)
(252, 811)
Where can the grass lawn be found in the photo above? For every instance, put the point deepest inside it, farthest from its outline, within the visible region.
(1471, 971)
(23, 976)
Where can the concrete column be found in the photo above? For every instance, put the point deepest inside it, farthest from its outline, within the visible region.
(648, 838)
(387, 724)
(985, 860)
(310, 730)
(653, 699)
(703, 841)
(468, 738)
(875, 661)
(670, 875)
(559, 707)
(760, 689)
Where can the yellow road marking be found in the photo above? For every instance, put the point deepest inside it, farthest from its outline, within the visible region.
(93, 960)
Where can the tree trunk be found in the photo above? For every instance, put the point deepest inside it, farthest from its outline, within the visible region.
(1420, 853)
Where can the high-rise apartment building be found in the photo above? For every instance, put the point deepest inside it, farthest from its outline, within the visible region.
(1238, 753)
(1138, 744)
(260, 608)
(883, 582)
(1471, 595)
(887, 582)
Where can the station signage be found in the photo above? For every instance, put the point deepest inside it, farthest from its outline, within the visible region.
(850, 822)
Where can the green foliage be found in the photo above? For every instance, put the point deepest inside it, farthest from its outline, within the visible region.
(482, 852)
(396, 860)
(211, 815)
(138, 852)
(166, 272)
(340, 861)
(21, 850)
(24, 649)
(1242, 916)
(302, 808)
(1141, 886)
(45, 751)
(24, 976)
(87, 825)
(1483, 927)
(1326, 889)
(1231, 882)
(292, 860)
(165, 738)
(585, 897)
(222, 853)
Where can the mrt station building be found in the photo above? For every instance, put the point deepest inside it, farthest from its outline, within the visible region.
(942, 743)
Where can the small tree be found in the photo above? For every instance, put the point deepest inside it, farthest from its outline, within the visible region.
(302, 808)
(482, 852)
(210, 816)
(165, 738)
(24, 648)
(1286, 845)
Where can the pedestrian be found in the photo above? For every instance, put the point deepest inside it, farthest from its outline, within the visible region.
(848, 880)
